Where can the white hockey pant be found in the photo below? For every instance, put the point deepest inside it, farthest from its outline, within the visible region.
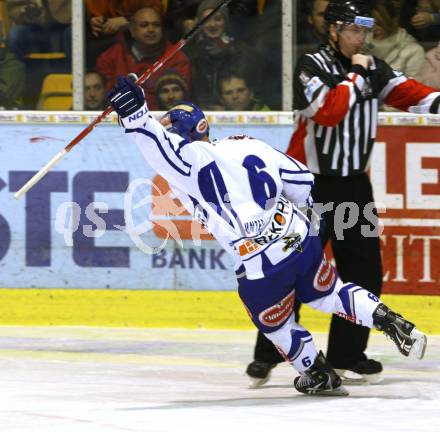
(348, 300)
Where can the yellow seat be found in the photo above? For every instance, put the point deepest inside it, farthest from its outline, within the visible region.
(4, 18)
(56, 92)
(45, 56)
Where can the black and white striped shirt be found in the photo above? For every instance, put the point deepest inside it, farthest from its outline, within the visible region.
(337, 105)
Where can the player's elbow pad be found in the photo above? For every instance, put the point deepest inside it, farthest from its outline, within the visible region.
(136, 119)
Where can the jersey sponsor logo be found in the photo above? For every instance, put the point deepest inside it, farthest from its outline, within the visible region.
(276, 229)
(350, 318)
(278, 313)
(293, 241)
(254, 226)
(325, 277)
(279, 224)
(247, 247)
(280, 219)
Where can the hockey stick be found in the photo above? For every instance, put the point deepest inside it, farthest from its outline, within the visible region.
(144, 77)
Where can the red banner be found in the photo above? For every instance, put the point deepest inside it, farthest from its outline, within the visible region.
(405, 175)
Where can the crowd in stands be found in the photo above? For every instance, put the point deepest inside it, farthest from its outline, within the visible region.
(233, 63)
(406, 35)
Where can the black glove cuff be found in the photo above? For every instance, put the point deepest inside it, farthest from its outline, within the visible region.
(360, 70)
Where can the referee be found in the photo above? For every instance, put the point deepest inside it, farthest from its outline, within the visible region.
(337, 93)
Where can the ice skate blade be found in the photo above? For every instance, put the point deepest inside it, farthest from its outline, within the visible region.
(255, 383)
(340, 391)
(420, 342)
(349, 377)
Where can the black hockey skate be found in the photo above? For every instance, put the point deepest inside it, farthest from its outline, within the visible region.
(259, 373)
(365, 371)
(408, 339)
(320, 379)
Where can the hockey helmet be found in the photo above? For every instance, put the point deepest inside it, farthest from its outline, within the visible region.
(349, 12)
(188, 121)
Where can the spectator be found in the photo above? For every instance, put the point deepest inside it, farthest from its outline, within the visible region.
(108, 17)
(427, 15)
(170, 88)
(316, 19)
(267, 41)
(40, 26)
(254, 22)
(182, 15)
(430, 70)
(40, 36)
(392, 43)
(314, 31)
(249, 16)
(238, 95)
(214, 49)
(137, 49)
(420, 18)
(94, 92)
(12, 77)
(105, 18)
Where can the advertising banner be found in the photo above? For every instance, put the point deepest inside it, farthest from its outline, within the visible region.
(103, 219)
(405, 175)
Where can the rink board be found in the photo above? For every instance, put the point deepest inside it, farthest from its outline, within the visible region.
(87, 191)
(171, 309)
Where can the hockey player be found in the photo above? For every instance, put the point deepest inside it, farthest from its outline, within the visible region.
(250, 196)
(337, 93)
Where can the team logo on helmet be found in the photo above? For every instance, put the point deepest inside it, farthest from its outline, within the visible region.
(188, 121)
(202, 126)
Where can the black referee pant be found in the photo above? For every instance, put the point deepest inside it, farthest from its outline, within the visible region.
(357, 259)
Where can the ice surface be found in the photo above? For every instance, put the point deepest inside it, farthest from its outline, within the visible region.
(75, 379)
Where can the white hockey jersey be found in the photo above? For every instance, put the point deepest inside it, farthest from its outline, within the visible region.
(245, 193)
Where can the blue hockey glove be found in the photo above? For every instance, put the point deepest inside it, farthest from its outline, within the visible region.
(128, 100)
